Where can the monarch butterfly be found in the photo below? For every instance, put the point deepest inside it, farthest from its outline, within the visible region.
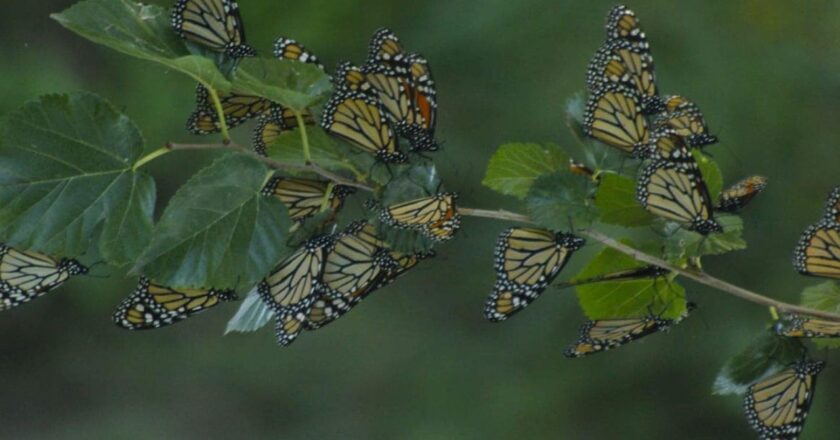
(527, 261)
(290, 290)
(603, 335)
(666, 144)
(796, 326)
(305, 197)
(622, 24)
(580, 169)
(238, 108)
(26, 275)
(777, 406)
(350, 77)
(436, 217)
(215, 24)
(153, 305)
(622, 275)
(818, 251)
(326, 309)
(685, 117)
(740, 194)
(384, 46)
(270, 128)
(289, 49)
(629, 64)
(361, 120)
(676, 191)
(614, 116)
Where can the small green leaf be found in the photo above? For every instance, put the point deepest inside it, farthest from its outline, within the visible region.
(218, 230)
(141, 31)
(294, 84)
(766, 355)
(324, 150)
(825, 297)
(627, 299)
(682, 244)
(514, 167)
(711, 173)
(558, 199)
(616, 201)
(252, 315)
(65, 168)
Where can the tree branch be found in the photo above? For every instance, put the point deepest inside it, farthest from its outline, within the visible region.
(698, 276)
(311, 167)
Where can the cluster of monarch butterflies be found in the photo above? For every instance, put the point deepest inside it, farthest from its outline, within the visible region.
(626, 112)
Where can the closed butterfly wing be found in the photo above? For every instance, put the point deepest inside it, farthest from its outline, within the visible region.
(685, 117)
(238, 108)
(436, 217)
(26, 275)
(527, 261)
(614, 116)
(818, 251)
(306, 197)
(214, 24)
(676, 191)
(777, 406)
(622, 24)
(384, 47)
(795, 326)
(289, 49)
(629, 65)
(360, 120)
(739, 195)
(153, 305)
(832, 207)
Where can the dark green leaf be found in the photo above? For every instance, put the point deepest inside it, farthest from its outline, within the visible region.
(324, 151)
(65, 168)
(218, 231)
(252, 315)
(616, 201)
(294, 84)
(711, 173)
(766, 355)
(514, 167)
(825, 297)
(560, 200)
(682, 244)
(141, 31)
(627, 299)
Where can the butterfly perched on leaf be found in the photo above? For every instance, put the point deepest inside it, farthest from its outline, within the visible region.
(26, 275)
(676, 191)
(361, 120)
(686, 119)
(606, 334)
(214, 24)
(306, 197)
(796, 326)
(436, 217)
(614, 116)
(527, 261)
(153, 305)
(818, 251)
(777, 406)
(291, 289)
(739, 195)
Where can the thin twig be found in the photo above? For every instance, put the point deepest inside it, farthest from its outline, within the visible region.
(698, 276)
(313, 168)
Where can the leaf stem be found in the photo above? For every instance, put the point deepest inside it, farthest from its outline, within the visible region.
(220, 113)
(304, 136)
(150, 157)
(695, 275)
(312, 167)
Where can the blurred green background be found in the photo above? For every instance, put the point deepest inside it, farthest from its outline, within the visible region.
(418, 361)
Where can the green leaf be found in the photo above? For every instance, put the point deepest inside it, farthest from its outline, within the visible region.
(682, 244)
(825, 297)
(711, 173)
(514, 167)
(141, 31)
(627, 299)
(766, 355)
(294, 84)
(324, 150)
(65, 168)
(557, 199)
(252, 315)
(218, 231)
(616, 201)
